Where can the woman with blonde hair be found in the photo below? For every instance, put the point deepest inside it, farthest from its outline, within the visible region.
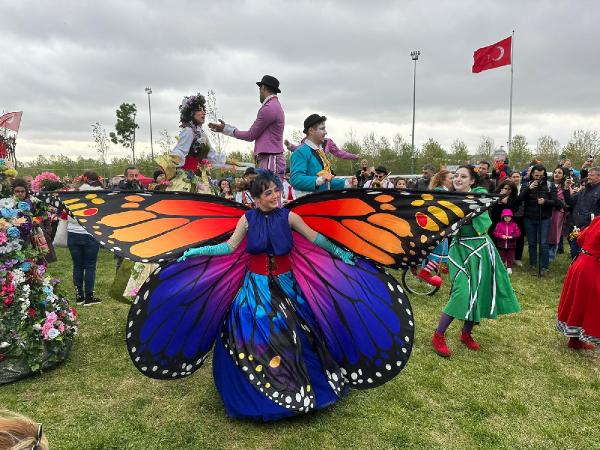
(18, 432)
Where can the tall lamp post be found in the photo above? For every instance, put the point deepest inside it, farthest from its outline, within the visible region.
(415, 57)
(149, 91)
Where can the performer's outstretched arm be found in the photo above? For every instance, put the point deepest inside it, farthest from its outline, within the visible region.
(224, 248)
(300, 226)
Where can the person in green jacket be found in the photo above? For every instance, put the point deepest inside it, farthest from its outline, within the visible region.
(481, 286)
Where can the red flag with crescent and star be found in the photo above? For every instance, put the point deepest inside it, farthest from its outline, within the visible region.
(492, 56)
(11, 120)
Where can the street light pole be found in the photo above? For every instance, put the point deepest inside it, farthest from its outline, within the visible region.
(415, 56)
(149, 91)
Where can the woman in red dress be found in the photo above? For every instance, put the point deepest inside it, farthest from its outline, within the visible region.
(579, 307)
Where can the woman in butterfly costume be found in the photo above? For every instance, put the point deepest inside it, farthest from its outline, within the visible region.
(295, 320)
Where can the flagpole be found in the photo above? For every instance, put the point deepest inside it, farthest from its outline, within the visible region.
(512, 55)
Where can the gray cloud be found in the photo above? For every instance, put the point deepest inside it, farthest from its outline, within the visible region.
(68, 64)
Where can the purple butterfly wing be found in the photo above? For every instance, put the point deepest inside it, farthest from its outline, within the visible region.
(363, 314)
(179, 310)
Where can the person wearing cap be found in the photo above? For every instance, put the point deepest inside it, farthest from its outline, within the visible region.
(310, 170)
(506, 234)
(267, 129)
(243, 194)
(380, 180)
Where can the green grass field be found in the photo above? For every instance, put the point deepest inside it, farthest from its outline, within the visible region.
(524, 389)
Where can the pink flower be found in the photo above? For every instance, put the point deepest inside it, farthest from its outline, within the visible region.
(3, 238)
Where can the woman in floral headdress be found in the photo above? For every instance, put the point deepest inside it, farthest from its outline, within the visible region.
(187, 164)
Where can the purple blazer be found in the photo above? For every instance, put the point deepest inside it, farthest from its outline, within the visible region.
(267, 129)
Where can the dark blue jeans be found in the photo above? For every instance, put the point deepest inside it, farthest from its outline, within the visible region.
(532, 228)
(84, 252)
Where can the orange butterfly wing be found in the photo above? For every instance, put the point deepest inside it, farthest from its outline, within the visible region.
(393, 228)
(152, 226)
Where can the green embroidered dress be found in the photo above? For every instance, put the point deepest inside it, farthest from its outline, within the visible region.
(481, 286)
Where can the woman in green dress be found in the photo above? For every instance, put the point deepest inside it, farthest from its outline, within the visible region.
(480, 284)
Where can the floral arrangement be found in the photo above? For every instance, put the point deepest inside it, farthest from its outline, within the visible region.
(7, 172)
(46, 181)
(36, 322)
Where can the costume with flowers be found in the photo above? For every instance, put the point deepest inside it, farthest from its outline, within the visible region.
(187, 165)
(36, 323)
(579, 306)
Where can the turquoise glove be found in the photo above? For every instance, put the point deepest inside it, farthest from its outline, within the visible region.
(326, 244)
(209, 250)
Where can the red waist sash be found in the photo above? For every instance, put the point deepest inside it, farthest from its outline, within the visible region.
(264, 264)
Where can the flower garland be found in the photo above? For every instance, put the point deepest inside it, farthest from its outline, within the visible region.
(35, 318)
(46, 181)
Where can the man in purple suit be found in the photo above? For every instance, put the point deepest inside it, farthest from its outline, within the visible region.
(267, 129)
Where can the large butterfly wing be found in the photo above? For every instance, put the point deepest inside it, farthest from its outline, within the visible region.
(391, 227)
(179, 310)
(362, 313)
(151, 226)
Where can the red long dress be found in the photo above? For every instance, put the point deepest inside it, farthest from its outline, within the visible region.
(579, 307)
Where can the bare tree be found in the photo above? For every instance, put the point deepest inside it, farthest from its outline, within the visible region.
(101, 141)
(219, 140)
(165, 141)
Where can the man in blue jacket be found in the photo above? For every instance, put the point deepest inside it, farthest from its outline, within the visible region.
(310, 169)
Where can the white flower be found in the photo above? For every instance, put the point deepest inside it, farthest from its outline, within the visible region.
(7, 203)
(37, 327)
(53, 333)
(4, 344)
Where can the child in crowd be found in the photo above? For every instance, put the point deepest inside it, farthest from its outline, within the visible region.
(506, 234)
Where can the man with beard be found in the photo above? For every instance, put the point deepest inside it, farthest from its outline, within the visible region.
(131, 182)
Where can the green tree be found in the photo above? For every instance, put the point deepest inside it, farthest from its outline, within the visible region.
(125, 127)
(582, 144)
(433, 153)
(459, 153)
(519, 155)
(548, 151)
(219, 140)
(404, 151)
(165, 141)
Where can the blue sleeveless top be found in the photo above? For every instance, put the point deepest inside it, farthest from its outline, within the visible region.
(269, 233)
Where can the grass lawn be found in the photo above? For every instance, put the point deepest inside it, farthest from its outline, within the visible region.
(524, 389)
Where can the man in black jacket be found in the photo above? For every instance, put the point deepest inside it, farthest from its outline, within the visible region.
(539, 199)
(585, 203)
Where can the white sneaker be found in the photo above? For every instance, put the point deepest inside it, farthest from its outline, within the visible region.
(509, 270)
(518, 262)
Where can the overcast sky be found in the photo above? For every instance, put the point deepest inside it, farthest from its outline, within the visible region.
(68, 64)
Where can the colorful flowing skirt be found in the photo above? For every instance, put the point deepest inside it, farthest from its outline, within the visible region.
(266, 312)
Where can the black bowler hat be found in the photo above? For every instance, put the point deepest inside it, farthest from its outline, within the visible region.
(381, 169)
(312, 120)
(271, 82)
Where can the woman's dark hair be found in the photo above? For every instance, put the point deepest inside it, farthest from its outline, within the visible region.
(90, 177)
(188, 108)
(537, 167)
(473, 172)
(221, 182)
(566, 173)
(158, 173)
(262, 181)
(20, 182)
(513, 189)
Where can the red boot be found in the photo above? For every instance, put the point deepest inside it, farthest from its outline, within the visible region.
(439, 343)
(468, 340)
(426, 276)
(576, 344)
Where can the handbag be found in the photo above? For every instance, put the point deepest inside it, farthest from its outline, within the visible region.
(60, 239)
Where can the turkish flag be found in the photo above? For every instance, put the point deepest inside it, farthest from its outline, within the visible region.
(11, 120)
(492, 56)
